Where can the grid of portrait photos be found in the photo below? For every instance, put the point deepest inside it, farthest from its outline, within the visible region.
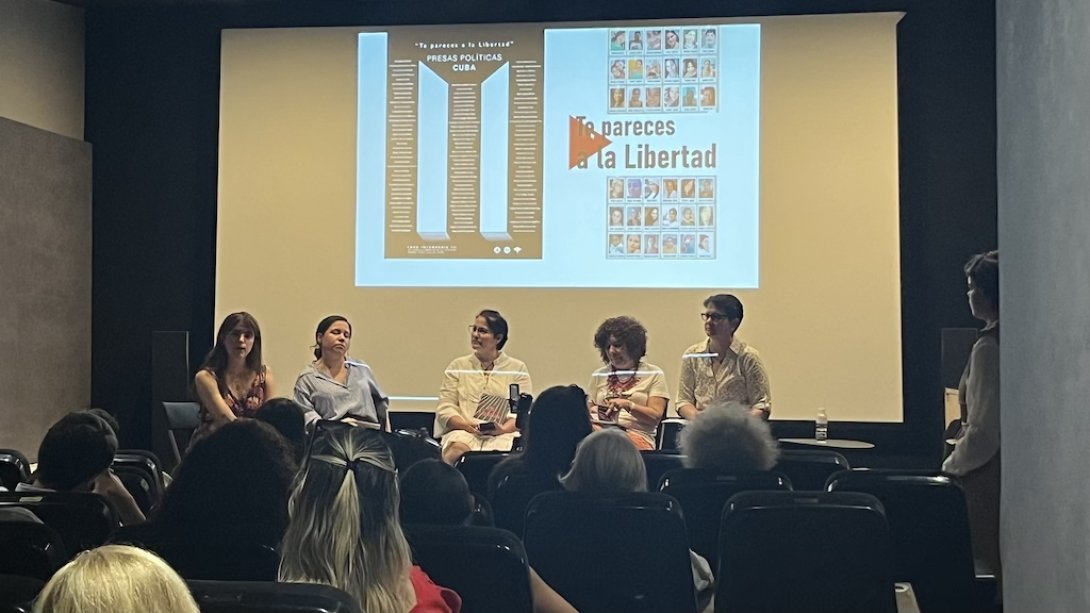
(671, 69)
(661, 217)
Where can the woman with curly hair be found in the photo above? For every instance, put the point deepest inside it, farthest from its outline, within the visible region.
(627, 392)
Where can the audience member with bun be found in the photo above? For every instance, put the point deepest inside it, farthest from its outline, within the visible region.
(116, 579)
(336, 387)
(233, 381)
(345, 530)
(728, 439)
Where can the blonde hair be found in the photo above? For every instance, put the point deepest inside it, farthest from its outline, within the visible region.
(344, 528)
(606, 462)
(729, 439)
(116, 579)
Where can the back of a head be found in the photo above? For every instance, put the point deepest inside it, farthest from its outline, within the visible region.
(116, 579)
(74, 451)
(435, 493)
(606, 462)
(286, 416)
(239, 477)
(344, 528)
(728, 439)
(559, 420)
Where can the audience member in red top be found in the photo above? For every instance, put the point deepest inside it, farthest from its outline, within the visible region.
(345, 531)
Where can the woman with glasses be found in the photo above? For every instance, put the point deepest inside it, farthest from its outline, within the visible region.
(627, 391)
(473, 400)
(336, 387)
(722, 368)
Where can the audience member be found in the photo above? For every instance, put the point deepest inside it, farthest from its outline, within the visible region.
(728, 439)
(558, 421)
(345, 530)
(75, 456)
(628, 390)
(607, 462)
(116, 579)
(233, 381)
(286, 416)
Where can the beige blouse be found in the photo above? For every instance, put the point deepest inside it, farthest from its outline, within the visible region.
(739, 377)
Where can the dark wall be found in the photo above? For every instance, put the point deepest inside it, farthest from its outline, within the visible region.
(152, 116)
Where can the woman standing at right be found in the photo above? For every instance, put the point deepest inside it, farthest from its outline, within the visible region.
(975, 460)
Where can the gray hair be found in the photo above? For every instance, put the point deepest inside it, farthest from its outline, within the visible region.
(606, 462)
(728, 439)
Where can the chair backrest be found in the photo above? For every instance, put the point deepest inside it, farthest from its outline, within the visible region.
(704, 493)
(83, 521)
(612, 552)
(146, 459)
(139, 486)
(511, 498)
(658, 463)
(270, 597)
(410, 447)
(666, 437)
(809, 468)
(475, 466)
(14, 468)
(181, 418)
(485, 566)
(30, 549)
(227, 554)
(927, 515)
(17, 592)
(804, 551)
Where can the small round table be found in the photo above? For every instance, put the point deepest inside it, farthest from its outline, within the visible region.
(830, 443)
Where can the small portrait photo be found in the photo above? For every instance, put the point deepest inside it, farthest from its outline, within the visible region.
(650, 216)
(654, 40)
(616, 217)
(671, 98)
(653, 98)
(635, 69)
(707, 217)
(669, 189)
(616, 98)
(651, 244)
(688, 244)
(689, 68)
(709, 40)
(616, 41)
(707, 188)
(707, 68)
(635, 98)
(635, 218)
(688, 96)
(635, 189)
(635, 40)
(616, 189)
(634, 244)
(669, 244)
(673, 40)
(704, 246)
(688, 217)
(669, 218)
(707, 97)
(670, 69)
(688, 189)
(616, 70)
(616, 244)
(653, 69)
(689, 40)
(651, 190)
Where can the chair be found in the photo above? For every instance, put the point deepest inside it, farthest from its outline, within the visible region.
(411, 446)
(139, 485)
(804, 551)
(83, 521)
(612, 552)
(30, 549)
(181, 418)
(228, 553)
(14, 468)
(485, 566)
(929, 530)
(17, 592)
(666, 436)
(270, 597)
(704, 493)
(511, 498)
(658, 463)
(809, 468)
(146, 459)
(475, 466)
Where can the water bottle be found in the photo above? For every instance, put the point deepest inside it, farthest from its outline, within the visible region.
(821, 425)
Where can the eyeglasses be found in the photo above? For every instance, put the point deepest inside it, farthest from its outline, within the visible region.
(481, 331)
(714, 317)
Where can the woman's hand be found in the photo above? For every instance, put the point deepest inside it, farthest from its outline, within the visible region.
(461, 423)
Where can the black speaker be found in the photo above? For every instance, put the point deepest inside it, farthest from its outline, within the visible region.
(169, 382)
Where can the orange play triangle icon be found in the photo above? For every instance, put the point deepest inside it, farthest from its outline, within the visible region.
(583, 142)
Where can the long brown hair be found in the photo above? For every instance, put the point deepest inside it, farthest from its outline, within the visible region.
(216, 360)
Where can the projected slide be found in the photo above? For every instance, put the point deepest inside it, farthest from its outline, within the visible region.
(521, 156)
